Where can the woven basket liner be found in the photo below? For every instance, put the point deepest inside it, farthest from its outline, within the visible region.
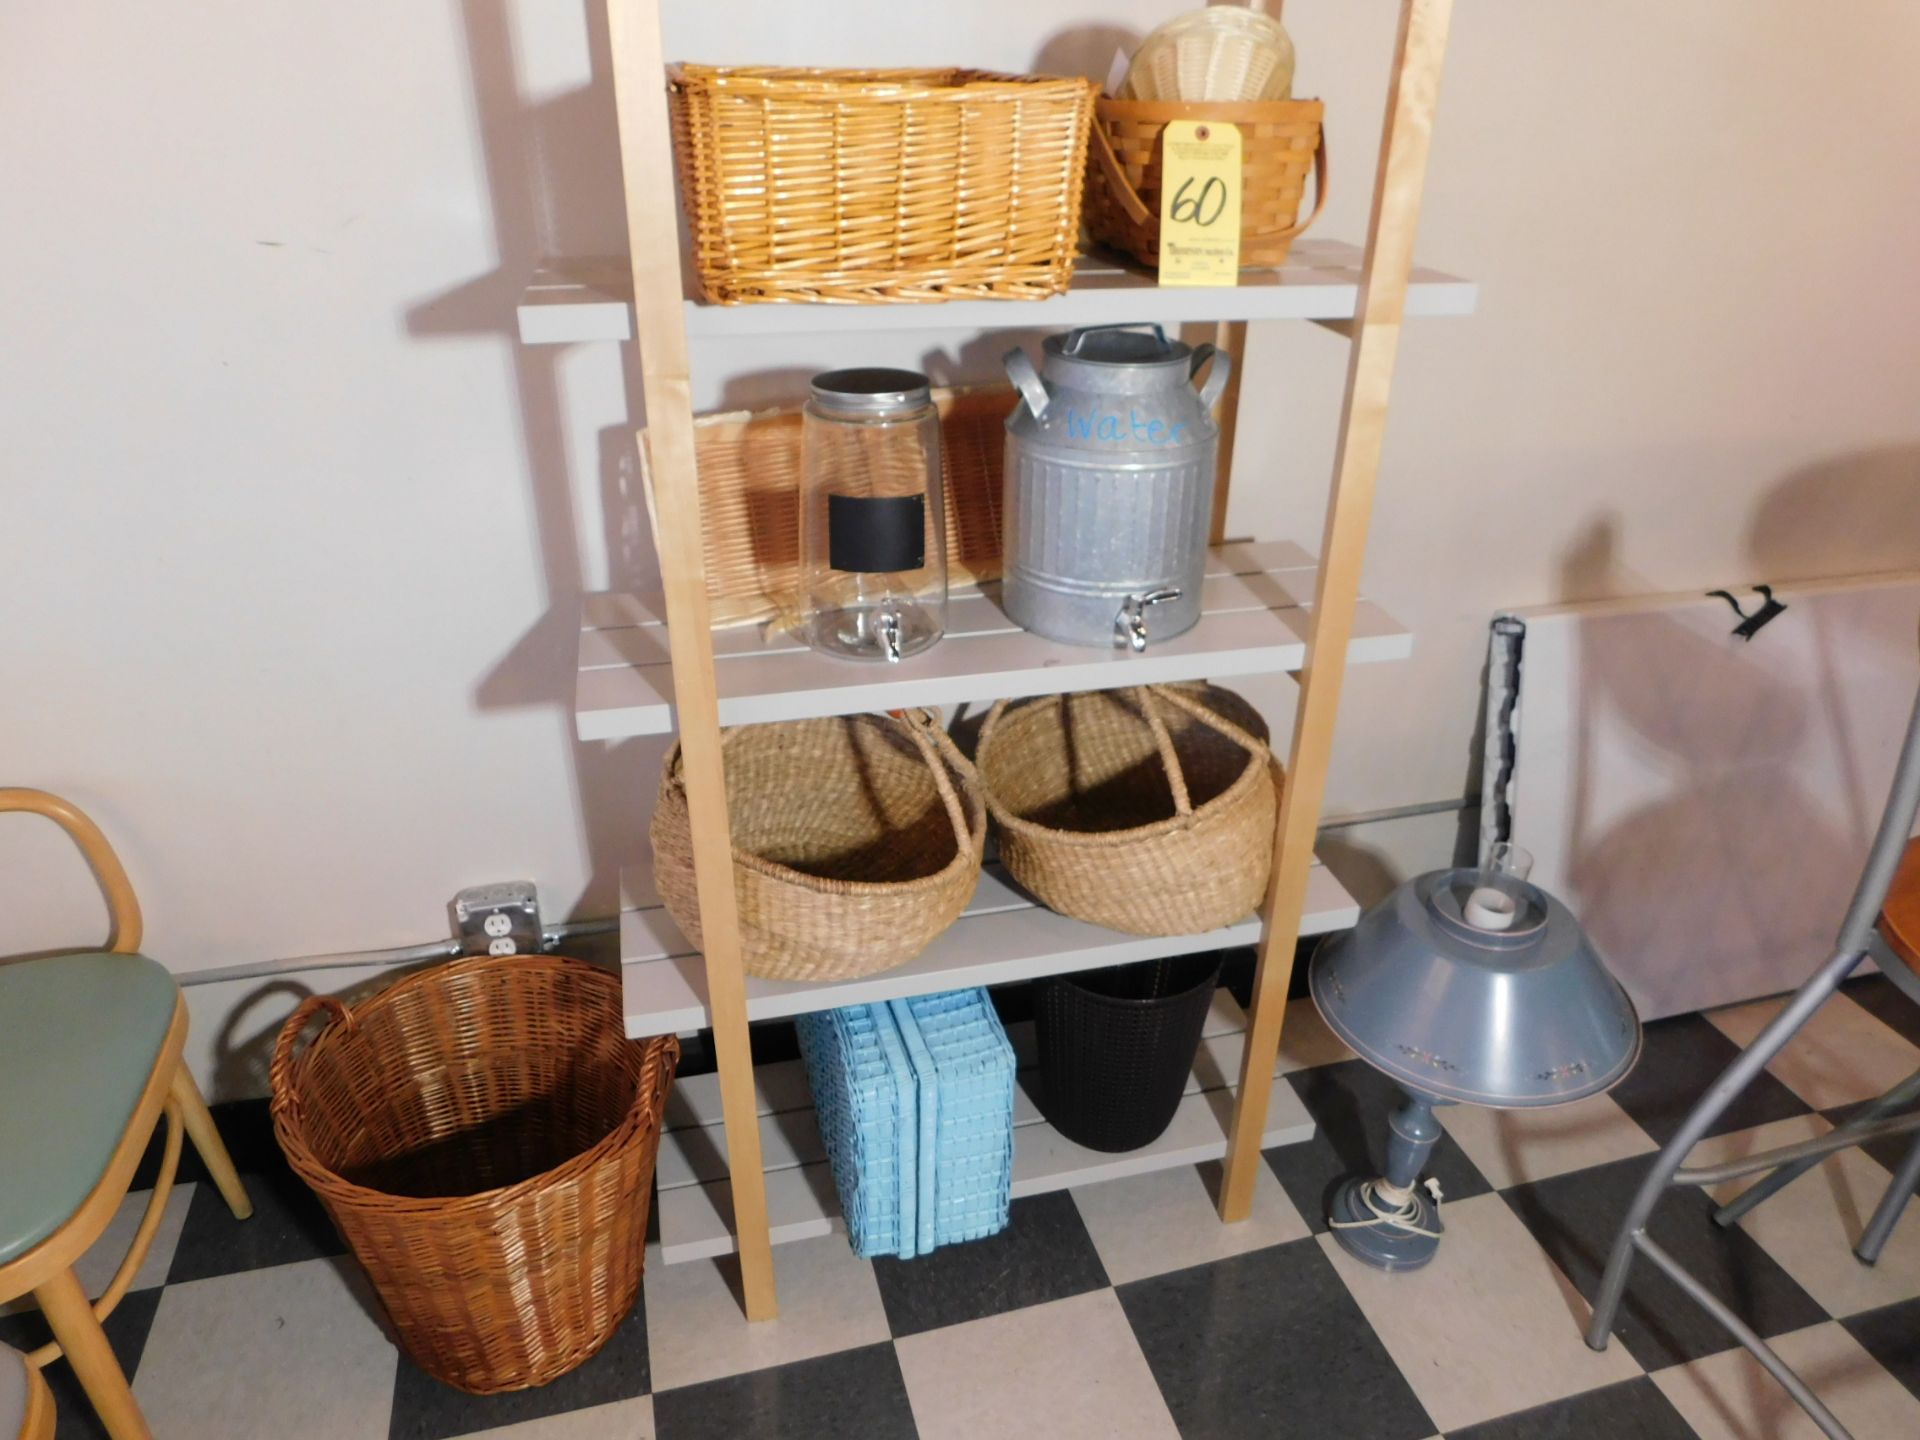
(750, 467)
(1147, 811)
(1280, 142)
(483, 1135)
(856, 840)
(859, 186)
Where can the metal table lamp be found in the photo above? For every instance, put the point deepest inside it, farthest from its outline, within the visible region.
(1468, 987)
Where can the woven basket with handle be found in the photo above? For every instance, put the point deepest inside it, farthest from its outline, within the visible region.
(856, 840)
(1146, 810)
(880, 185)
(1281, 141)
(483, 1134)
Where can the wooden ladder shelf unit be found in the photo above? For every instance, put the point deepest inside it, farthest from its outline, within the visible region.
(660, 328)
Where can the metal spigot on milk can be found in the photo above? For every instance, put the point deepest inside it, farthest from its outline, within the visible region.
(1109, 485)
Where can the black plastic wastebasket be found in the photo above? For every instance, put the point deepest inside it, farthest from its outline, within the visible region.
(1116, 1047)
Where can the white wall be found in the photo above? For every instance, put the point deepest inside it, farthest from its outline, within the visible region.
(293, 528)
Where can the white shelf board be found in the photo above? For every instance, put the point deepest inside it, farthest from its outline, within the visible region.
(1255, 620)
(694, 1200)
(1001, 937)
(591, 300)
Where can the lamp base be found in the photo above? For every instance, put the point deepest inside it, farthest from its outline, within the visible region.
(1384, 1244)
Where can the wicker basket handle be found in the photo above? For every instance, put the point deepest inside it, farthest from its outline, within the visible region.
(1129, 199)
(1144, 696)
(1319, 196)
(1118, 185)
(1213, 720)
(928, 738)
(936, 747)
(283, 1056)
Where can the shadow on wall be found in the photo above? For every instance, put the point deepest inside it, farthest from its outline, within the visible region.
(1854, 514)
(554, 185)
(1085, 50)
(243, 1047)
(1695, 878)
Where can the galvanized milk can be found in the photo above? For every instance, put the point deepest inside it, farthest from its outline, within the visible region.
(1109, 486)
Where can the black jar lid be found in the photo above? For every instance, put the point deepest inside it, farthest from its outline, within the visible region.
(870, 390)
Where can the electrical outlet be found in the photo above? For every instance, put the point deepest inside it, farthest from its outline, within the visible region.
(499, 919)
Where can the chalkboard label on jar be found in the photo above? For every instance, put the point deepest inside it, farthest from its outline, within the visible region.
(876, 534)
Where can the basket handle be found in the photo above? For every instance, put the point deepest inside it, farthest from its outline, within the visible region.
(1319, 196)
(919, 726)
(1213, 720)
(936, 747)
(1144, 696)
(1136, 209)
(283, 1057)
(1118, 185)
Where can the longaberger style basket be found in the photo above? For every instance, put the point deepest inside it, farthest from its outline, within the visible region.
(856, 840)
(483, 1135)
(880, 185)
(1281, 141)
(1145, 810)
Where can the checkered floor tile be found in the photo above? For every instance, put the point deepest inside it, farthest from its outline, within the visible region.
(1125, 1310)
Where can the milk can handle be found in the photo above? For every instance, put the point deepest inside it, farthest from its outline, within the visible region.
(1216, 378)
(1020, 370)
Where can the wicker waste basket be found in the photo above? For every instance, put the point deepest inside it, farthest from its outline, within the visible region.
(483, 1136)
(1117, 1046)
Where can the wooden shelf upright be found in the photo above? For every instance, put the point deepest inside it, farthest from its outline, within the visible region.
(1366, 306)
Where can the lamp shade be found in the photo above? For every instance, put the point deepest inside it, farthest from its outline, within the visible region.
(1511, 1018)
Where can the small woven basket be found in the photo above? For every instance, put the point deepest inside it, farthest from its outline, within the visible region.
(860, 186)
(1146, 810)
(856, 840)
(483, 1134)
(1280, 142)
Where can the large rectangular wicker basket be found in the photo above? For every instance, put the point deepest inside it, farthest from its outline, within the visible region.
(861, 186)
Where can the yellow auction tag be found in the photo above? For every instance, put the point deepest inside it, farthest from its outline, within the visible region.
(1200, 203)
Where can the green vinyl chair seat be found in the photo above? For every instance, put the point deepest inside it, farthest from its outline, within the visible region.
(79, 1035)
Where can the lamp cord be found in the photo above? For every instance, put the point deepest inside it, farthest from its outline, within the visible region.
(1395, 1215)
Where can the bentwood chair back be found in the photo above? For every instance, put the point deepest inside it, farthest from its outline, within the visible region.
(90, 1063)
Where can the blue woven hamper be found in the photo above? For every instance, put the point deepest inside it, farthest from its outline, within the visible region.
(915, 1104)
(864, 1099)
(964, 1069)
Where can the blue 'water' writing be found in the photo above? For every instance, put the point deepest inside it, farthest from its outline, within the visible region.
(1133, 428)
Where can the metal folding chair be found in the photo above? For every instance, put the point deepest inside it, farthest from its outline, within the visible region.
(1891, 934)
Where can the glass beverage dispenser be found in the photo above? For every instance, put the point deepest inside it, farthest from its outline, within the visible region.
(873, 525)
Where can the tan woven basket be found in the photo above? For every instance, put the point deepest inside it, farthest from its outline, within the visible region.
(1148, 811)
(750, 467)
(880, 185)
(483, 1136)
(856, 840)
(1280, 142)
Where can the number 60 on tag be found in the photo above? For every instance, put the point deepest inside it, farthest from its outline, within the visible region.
(1200, 203)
